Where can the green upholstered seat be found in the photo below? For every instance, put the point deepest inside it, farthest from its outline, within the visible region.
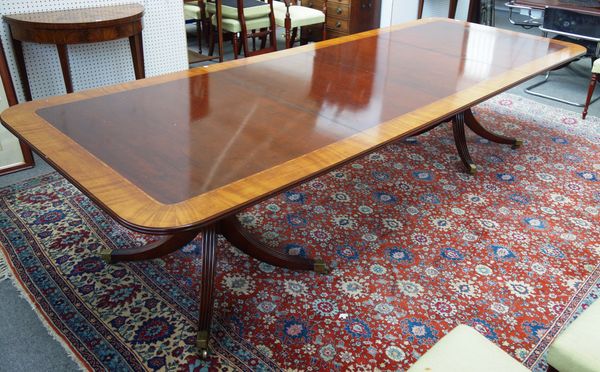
(233, 25)
(595, 67)
(252, 9)
(191, 11)
(466, 350)
(299, 15)
(577, 348)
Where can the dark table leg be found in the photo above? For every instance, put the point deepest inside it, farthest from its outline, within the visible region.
(20, 59)
(63, 56)
(458, 127)
(137, 54)
(232, 230)
(171, 243)
(161, 247)
(476, 127)
(209, 263)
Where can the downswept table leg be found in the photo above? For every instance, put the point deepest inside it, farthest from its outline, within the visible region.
(458, 127)
(161, 247)
(233, 231)
(476, 127)
(171, 243)
(209, 262)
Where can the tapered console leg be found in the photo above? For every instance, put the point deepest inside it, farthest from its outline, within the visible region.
(161, 247)
(476, 127)
(458, 127)
(232, 230)
(209, 262)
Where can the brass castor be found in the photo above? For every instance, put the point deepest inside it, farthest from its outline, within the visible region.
(106, 255)
(320, 267)
(472, 169)
(202, 344)
(203, 354)
(518, 143)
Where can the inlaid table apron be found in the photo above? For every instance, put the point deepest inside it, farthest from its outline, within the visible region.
(180, 154)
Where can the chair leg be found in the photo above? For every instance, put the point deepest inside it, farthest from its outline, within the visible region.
(199, 35)
(234, 41)
(324, 27)
(589, 95)
(206, 26)
(452, 8)
(420, 10)
(263, 39)
(211, 42)
(288, 28)
(239, 47)
(273, 31)
(287, 39)
(294, 35)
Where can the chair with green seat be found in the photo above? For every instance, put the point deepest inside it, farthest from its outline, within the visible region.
(464, 349)
(577, 347)
(291, 16)
(195, 11)
(245, 19)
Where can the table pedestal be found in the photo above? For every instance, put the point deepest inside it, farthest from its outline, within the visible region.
(233, 231)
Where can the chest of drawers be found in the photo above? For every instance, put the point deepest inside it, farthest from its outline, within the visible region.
(345, 17)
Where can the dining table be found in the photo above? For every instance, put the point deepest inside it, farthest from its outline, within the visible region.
(179, 155)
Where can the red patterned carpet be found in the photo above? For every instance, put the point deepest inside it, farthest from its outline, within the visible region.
(417, 247)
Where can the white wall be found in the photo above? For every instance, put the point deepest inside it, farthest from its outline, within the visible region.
(398, 11)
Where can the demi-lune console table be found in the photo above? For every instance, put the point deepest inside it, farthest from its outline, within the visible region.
(77, 26)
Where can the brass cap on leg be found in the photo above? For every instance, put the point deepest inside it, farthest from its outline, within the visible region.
(202, 344)
(320, 267)
(106, 255)
(472, 169)
(518, 143)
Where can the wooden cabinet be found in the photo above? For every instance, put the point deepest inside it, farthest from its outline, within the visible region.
(344, 17)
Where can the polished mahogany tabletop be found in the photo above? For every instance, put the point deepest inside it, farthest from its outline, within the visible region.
(182, 150)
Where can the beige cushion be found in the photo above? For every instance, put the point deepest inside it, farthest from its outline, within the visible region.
(595, 67)
(466, 350)
(278, 5)
(233, 25)
(249, 13)
(299, 15)
(577, 348)
(191, 11)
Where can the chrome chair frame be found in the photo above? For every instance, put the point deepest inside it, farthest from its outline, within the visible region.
(528, 22)
(596, 55)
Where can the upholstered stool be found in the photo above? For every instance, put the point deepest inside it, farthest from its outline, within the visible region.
(577, 348)
(464, 350)
(595, 77)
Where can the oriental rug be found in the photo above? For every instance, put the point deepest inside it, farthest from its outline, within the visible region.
(416, 245)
